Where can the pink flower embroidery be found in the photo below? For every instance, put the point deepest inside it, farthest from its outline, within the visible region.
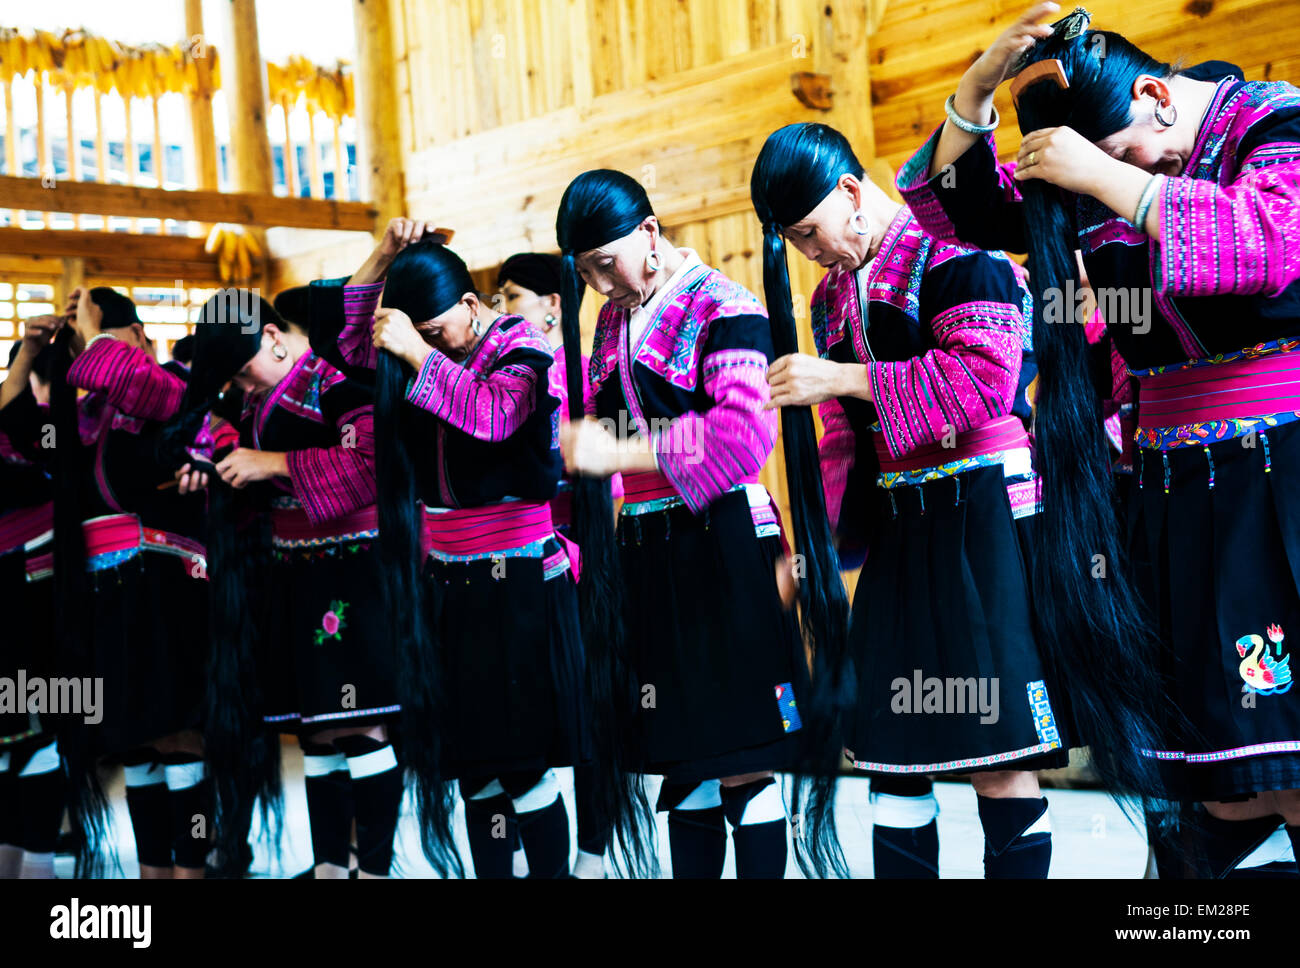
(332, 622)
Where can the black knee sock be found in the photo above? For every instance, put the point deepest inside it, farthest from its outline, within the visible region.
(1228, 842)
(697, 840)
(1008, 851)
(593, 838)
(329, 808)
(760, 845)
(377, 785)
(150, 810)
(493, 834)
(41, 799)
(903, 852)
(190, 808)
(544, 834)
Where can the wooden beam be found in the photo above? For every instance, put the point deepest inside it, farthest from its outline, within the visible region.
(90, 245)
(50, 269)
(379, 141)
(243, 208)
(73, 277)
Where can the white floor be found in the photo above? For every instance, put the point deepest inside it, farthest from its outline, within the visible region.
(1091, 836)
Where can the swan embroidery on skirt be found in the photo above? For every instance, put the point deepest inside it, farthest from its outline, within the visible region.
(1264, 673)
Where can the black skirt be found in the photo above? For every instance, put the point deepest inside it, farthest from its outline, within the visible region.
(511, 665)
(1220, 569)
(28, 640)
(719, 662)
(149, 644)
(330, 639)
(950, 678)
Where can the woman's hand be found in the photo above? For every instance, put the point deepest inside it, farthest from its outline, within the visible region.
(400, 233)
(84, 314)
(189, 480)
(1063, 157)
(992, 67)
(592, 451)
(244, 465)
(800, 380)
(395, 333)
(37, 333)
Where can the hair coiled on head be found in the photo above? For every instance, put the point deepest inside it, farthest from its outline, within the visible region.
(598, 207)
(1092, 627)
(797, 168)
(425, 280)
(242, 754)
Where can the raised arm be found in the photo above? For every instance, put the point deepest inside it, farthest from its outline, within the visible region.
(129, 377)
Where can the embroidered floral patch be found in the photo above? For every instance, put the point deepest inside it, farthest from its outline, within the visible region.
(786, 705)
(1263, 668)
(332, 623)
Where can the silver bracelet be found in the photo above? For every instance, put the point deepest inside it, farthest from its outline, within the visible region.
(95, 339)
(965, 125)
(1145, 202)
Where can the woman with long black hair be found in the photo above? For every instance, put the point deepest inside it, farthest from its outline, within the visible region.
(31, 773)
(493, 692)
(529, 285)
(693, 637)
(1184, 197)
(922, 377)
(130, 598)
(307, 453)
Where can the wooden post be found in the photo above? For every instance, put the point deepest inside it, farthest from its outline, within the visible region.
(290, 156)
(74, 147)
(340, 163)
(204, 136)
(246, 96)
(841, 52)
(128, 155)
(43, 167)
(74, 277)
(316, 181)
(101, 145)
(379, 145)
(11, 144)
(159, 162)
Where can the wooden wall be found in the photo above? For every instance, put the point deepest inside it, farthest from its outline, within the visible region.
(922, 48)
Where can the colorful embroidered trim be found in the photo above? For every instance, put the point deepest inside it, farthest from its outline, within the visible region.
(1219, 756)
(115, 538)
(25, 525)
(788, 708)
(1026, 497)
(349, 714)
(1041, 709)
(292, 528)
(1015, 461)
(951, 765)
(766, 524)
(1209, 432)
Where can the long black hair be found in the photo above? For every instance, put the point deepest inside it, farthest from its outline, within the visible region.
(87, 802)
(425, 280)
(1091, 624)
(799, 166)
(539, 272)
(242, 755)
(598, 207)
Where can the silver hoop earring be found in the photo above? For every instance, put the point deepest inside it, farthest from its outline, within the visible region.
(477, 325)
(653, 261)
(1171, 121)
(859, 218)
(279, 352)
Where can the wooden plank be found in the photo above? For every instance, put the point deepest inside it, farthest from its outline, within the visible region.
(49, 269)
(244, 208)
(89, 244)
(584, 87)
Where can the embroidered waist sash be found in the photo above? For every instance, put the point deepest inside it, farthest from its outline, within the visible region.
(115, 538)
(25, 525)
(1206, 401)
(647, 492)
(292, 528)
(996, 436)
